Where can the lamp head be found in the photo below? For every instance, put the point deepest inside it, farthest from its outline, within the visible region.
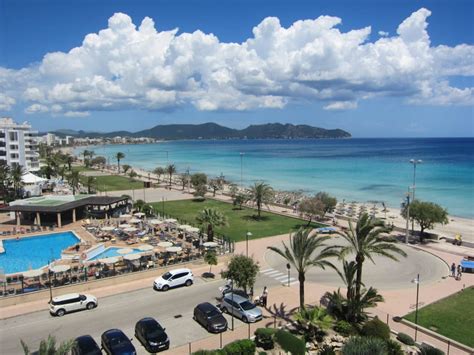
(249, 234)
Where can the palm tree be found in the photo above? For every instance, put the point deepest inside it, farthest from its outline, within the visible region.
(4, 178)
(48, 347)
(74, 180)
(260, 194)
(69, 160)
(170, 170)
(16, 174)
(314, 321)
(303, 254)
(212, 218)
(125, 168)
(132, 174)
(91, 181)
(364, 241)
(159, 171)
(119, 156)
(85, 154)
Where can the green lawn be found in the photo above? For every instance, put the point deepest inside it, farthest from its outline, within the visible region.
(240, 221)
(452, 317)
(81, 168)
(114, 183)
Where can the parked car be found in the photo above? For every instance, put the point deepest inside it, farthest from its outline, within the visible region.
(174, 278)
(115, 342)
(241, 307)
(152, 335)
(210, 318)
(85, 345)
(71, 302)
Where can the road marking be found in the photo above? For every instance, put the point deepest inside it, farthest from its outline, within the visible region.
(266, 270)
(273, 273)
(285, 277)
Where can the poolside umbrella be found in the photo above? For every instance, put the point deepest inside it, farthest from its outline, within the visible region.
(59, 268)
(174, 249)
(125, 251)
(210, 244)
(125, 216)
(130, 229)
(33, 273)
(135, 220)
(146, 247)
(184, 226)
(139, 214)
(193, 230)
(170, 220)
(107, 228)
(125, 225)
(111, 260)
(165, 244)
(131, 257)
(155, 221)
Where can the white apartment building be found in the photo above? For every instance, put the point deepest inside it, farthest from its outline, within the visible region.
(18, 144)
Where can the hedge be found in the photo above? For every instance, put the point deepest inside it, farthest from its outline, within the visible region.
(405, 339)
(290, 343)
(376, 328)
(240, 347)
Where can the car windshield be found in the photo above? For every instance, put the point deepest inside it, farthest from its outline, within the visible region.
(166, 276)
(246, 305)
(82, 297)
(210, 313)
(153, 329)
(117, 339)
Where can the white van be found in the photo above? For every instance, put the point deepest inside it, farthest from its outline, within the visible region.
(174, 278)
(71, 302)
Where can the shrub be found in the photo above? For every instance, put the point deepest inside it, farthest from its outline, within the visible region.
(344, 328)
(327, 350)
(394, 347)
(241, 347)
(405, 339)
(209, 352)
(376, 328)
(264, 338)
(364, 346)
(290, 343)
(430, 350)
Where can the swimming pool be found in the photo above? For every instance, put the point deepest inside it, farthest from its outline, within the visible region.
(112, 251)
(34, 252)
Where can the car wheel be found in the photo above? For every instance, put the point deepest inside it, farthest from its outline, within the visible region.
(244, 319)
(224, 310)
(90, 305)
(60, 312)
(165, 288)
(188, 283)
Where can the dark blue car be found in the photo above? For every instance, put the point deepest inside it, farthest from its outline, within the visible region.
(85, 345)
(115, 342)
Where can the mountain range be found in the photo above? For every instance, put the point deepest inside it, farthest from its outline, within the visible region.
(215, 131)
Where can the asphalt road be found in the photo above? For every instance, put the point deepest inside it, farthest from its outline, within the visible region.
(383, 274)
(173, 309)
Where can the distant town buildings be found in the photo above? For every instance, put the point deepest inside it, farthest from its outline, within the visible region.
(18, 144)
(52, 139)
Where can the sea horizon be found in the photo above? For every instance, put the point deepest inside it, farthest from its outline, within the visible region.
(359, 169)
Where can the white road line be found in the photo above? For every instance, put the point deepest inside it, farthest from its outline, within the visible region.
(266, 270)
(272, 273)
(281, 278)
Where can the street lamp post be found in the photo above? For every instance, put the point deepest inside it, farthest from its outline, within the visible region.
(247, 236)
(417, 281)
(415, 162)
(49, 281)
(232, 303)
(407, 234)
(241, 169)
(288, 267)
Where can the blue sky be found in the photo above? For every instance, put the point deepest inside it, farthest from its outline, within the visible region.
(382, 81)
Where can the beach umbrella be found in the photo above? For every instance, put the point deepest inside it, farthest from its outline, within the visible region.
(174, 249)
(125, 251)
(170, 220)
(139, 214)
(210, 244)
(59, 268)
(33, 273)
(135, 220)
(107, 228)
(155, 221)
(130, 229)
(131, 257)
(184, 226)
(193, 230)
(165, 244)
(125, 216)
(125, 225)
(146, 247)
(111, 260)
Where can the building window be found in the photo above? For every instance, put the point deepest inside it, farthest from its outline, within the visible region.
(13, 147)
(14, 156)
(13, 136)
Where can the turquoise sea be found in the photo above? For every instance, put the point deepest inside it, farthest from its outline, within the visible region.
(353, 169)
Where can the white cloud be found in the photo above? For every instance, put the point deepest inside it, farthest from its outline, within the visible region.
(130, 67)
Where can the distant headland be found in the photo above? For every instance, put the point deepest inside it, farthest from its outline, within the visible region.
(215, 131)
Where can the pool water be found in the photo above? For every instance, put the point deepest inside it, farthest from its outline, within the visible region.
(34, 252)
(113, 251)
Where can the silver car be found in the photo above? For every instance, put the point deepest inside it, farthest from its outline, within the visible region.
(240, 307)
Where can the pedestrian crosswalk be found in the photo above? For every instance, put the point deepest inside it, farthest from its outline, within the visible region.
(279, 276)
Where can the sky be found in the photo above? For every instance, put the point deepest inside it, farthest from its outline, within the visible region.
(378, 68)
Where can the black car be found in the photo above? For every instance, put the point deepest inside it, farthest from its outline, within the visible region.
(210, 317)
(85, 345)
(115, 342)
(152, 335)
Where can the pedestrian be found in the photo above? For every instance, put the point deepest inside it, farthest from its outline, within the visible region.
(453, 270)
(264, 296)
(458, 276)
